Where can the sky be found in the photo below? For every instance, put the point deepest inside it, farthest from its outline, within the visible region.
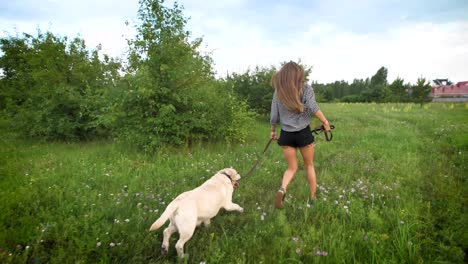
(339, 39)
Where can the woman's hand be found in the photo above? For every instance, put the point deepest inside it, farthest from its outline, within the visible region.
(273, 135)
(326, 125)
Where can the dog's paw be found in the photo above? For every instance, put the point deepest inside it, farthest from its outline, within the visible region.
(241, 210)
(164, 251)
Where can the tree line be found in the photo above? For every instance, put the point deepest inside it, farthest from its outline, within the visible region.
(254, 86)
(164, 93)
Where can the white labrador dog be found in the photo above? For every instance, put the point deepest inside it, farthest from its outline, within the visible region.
(190, 209)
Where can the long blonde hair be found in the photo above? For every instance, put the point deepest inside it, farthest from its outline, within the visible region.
(289, 86)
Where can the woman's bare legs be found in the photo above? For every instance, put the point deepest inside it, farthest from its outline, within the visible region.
(307, 153)
(290, 156)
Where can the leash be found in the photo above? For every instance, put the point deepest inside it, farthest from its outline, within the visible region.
(317, 130)
(328, 134)
(259, 158)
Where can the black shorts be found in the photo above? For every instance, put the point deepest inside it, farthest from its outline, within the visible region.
(296, 139)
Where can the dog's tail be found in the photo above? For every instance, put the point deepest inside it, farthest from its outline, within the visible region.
(170, 209)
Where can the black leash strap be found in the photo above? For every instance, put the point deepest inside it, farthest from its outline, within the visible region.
(328, 134)
(259, 158)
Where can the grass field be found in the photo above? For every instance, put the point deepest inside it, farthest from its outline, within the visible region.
(392, 189)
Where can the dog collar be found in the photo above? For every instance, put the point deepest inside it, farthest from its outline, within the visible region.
(227, 175)
(235, 184)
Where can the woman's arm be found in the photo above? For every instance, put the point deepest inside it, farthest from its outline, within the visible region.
(322, 119)
(274, 116)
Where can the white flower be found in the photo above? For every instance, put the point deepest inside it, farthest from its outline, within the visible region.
(98, 244)
(127, 220)
(112, 244)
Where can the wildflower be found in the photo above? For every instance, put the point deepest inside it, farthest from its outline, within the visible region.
(127, 220)
(402, 222)
(298, 250)
(366, 237)
(112, 244)
(98, 244)
(321, 253)
(324, 198)
(345, 207)
(295, 239)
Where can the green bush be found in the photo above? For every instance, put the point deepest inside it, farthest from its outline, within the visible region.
(52, 88)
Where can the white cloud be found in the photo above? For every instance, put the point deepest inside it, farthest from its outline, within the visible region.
(239, 40)
(409, 51)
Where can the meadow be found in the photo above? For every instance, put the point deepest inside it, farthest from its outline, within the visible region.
(392, 189)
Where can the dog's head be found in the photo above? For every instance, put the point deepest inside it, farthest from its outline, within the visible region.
(233, 175)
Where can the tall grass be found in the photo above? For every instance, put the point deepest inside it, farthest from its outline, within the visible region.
(392, 189)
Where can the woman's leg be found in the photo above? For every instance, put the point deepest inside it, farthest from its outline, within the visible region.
(307, 153)
(290, 156)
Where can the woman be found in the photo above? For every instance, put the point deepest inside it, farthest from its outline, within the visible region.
(292, 105)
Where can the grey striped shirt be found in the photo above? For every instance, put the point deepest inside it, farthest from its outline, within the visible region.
(292, 121)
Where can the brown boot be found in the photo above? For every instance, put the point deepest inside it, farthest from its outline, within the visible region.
(280, 198)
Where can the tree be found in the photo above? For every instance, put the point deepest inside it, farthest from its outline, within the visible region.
(172, 96)
(421, 91)
(254, 87)
(380, 77)
(398, 90)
